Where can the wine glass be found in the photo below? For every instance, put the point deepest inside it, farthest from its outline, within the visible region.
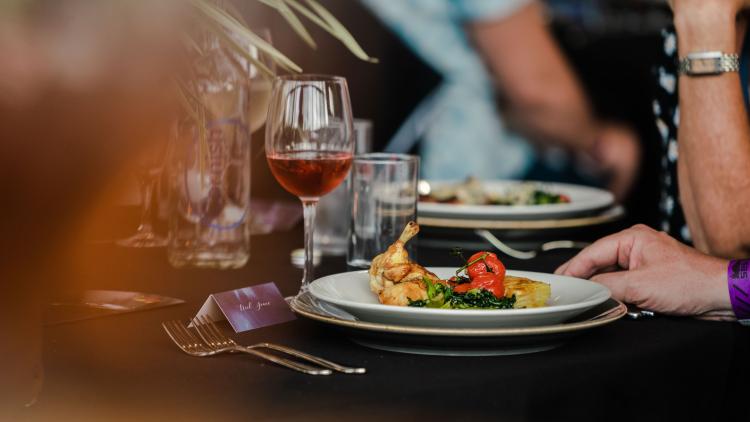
(309, 143)
(148, 169)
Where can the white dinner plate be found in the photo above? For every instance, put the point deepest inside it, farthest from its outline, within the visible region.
(583, 200)
(351, 292)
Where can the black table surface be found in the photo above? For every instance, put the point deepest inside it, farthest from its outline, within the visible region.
(125, 367)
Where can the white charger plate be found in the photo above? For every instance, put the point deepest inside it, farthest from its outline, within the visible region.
(351, 292)
(456, 341)
(583, 200)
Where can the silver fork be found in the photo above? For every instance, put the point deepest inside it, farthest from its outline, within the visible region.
(193, 346)
(548, 246)
(212, 335)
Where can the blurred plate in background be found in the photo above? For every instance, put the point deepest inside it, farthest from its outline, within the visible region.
(605, 216)
(584, 200)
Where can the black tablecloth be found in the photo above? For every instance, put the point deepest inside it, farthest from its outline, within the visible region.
(125, 367)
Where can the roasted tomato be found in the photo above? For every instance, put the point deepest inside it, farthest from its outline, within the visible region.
(487, 263)
(476, 269)
(486, 281)
(462, 288)
(486, 272)
(492, 282)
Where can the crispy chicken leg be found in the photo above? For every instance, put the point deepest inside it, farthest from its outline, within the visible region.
(394, 277)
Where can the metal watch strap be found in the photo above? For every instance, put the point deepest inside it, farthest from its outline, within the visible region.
(725, 63)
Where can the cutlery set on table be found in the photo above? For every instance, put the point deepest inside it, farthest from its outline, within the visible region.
(206, 339)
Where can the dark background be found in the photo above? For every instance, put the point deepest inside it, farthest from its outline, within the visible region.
(611, 43)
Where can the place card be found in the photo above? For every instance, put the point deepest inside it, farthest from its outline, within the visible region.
(248, 308)
(99, 303)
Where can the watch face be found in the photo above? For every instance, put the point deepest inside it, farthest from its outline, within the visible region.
(705, 65)
(709, 62)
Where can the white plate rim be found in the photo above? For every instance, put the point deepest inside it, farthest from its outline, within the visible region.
(464, 312)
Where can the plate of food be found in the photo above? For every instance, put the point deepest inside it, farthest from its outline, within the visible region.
(509, 199)
(478, 294)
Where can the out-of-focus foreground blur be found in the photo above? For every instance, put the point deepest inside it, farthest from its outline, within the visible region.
(83, 86)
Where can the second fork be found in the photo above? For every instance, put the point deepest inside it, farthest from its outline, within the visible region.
(193, 346)
(213, 336)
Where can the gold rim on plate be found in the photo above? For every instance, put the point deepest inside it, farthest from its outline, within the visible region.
(611, 315)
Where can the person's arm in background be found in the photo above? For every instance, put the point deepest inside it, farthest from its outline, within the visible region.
(714, 135)
(545, 100)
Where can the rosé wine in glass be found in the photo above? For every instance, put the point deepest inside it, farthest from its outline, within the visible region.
(310, 174)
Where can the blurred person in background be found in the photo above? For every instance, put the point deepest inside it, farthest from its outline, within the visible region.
(705, 172)
(485, 49)
(83, 87)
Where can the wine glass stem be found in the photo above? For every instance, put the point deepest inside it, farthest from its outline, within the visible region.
(308, 211)
(147, 190)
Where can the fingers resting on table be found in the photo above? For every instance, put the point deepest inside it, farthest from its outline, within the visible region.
(654, 271)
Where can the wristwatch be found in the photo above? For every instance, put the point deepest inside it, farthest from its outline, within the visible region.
(704, 63)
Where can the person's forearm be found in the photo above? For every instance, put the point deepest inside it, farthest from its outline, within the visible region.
(714, 139)
(563, 121)
(544, 97)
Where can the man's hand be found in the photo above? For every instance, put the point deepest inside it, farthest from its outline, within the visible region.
(617, 152)
(652, 270)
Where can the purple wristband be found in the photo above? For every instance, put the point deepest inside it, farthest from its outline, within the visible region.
(738, 280)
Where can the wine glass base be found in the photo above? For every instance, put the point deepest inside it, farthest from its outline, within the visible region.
(143, 240)
(302, 291)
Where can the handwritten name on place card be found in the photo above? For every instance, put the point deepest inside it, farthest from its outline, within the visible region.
(248, 308)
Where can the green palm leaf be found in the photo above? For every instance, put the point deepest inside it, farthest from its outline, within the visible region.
(234, 45)
(291, 18)
(229, 23)
(338, 30)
